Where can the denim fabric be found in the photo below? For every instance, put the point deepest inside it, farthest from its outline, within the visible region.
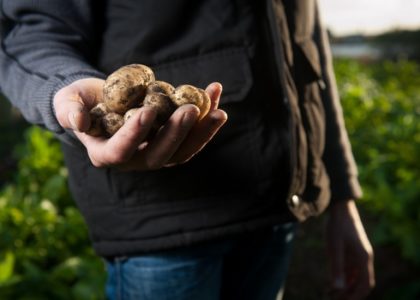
(252, 267)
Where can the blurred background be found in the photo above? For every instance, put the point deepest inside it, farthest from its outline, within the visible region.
(44, 248)
(376, 48)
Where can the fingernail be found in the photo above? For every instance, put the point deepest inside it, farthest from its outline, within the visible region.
(216, 87)
(220, 86)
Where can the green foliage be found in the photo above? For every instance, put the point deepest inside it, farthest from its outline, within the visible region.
(382, 109)
(45, 251)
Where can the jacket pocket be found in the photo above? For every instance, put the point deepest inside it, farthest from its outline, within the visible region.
(230, 67)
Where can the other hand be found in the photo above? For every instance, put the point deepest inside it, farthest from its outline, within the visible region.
(350, 253)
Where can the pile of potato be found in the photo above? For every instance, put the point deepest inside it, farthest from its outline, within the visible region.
(133, 86)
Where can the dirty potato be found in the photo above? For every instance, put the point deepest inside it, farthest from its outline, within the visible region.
(133, 86)
(112, 122)
(189, 94)
(126, 87)
(96, 114)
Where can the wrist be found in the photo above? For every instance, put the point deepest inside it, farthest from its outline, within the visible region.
(337, 206)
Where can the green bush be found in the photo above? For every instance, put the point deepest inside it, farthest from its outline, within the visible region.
(45, 251)
(382, 108)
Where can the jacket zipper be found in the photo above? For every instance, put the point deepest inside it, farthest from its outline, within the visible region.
(278, 54)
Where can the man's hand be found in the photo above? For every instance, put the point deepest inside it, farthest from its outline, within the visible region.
(350, 253)
(175, 143)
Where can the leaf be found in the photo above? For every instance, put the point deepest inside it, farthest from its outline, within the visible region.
(6, 267)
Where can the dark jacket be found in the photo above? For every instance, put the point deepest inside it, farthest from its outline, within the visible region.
(282, 155)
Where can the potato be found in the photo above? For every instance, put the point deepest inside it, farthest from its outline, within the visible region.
(133, 86)
(158, 97)
(96, 114)
(130, 113)
(188, 94)
(126, 87)
(112, 122)
(160, 86)
(205, 106)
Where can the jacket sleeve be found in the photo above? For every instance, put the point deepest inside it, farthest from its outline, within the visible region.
(45, 45)
(338, 156)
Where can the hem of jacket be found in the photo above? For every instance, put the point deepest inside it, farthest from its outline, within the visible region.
(349, 189)
(123, 248)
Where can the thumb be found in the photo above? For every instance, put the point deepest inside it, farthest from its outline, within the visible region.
(72, 103)
(70, 110)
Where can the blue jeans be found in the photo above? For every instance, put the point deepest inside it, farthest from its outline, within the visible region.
(252, 267)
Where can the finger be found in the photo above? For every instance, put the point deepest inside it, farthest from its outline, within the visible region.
(214, 90)
(364, 281)
(202, 133)
(199, 136)
(336, 253)
(359, 290)
(119, 149)
(167, 140)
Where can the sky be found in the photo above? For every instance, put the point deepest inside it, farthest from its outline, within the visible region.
(369, 16)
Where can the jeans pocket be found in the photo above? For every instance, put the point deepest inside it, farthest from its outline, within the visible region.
(164, 277)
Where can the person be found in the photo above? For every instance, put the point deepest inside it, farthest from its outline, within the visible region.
(206, 209)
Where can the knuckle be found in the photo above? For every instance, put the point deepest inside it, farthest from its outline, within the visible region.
(173, 139)
(96, 163)
(372, 284)
(370, 254)
(365, 255)
(154, 164)
(115, 156)
(61, 116)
